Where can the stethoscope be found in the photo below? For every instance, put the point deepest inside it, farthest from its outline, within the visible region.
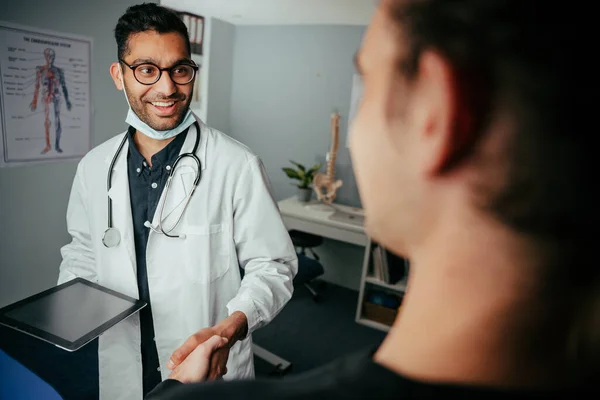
(112, 236)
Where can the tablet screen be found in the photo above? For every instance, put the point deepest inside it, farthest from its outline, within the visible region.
(71, 314)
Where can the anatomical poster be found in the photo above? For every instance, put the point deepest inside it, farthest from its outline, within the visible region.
(45, 92)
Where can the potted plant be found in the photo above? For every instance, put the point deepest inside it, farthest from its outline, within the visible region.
(305, 177)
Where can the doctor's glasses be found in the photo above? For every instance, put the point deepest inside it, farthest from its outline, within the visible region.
(148, 73)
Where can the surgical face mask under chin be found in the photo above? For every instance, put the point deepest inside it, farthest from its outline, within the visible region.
(135, 121)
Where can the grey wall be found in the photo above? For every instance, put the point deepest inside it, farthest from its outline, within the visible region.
(33, 200)
(222, 37)
(287, 81)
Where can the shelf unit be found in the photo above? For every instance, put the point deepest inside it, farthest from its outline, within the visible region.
(369, 283)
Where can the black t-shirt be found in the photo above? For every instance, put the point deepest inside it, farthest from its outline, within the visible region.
(352, 377)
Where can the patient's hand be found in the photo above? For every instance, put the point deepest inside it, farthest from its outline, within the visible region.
(196, 365)
(234, 328)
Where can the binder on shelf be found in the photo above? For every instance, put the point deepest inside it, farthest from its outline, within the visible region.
(195, 27)
(377, 264)
(384, 264)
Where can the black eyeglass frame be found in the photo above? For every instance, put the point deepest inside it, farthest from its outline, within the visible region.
(133, 67)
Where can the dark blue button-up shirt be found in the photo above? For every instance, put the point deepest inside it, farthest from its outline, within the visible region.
(145, 187)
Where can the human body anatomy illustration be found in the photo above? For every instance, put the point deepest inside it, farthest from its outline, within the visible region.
(52, 80)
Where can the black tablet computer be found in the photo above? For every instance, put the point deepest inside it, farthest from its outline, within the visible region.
(70, 315)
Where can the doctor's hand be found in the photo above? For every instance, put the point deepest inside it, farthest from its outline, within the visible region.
(195, 367)
(218, 360)
(234, 328)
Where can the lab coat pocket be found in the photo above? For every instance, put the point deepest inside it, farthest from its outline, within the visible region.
(207, 252)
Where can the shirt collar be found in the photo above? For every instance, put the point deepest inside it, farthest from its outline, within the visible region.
(163, 158)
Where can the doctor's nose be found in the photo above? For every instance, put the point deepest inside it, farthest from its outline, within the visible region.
(165, 85)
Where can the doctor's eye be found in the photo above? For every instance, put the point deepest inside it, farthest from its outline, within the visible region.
(148, 70)
(182, 71)
(182, 74)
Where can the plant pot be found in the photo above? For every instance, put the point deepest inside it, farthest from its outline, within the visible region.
(304, 195)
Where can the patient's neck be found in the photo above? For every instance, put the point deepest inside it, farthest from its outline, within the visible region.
(474, 313)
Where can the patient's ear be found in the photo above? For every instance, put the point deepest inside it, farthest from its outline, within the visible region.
(447, 118)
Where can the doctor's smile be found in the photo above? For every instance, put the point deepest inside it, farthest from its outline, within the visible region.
(167, 108)
(164, 108)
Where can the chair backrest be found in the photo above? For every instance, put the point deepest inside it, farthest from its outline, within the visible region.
(17, 382)
(308, 269)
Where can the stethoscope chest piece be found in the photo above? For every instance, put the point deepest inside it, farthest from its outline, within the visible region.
(111, 238)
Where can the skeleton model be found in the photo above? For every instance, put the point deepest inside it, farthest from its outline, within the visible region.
(52, 80)
(325, 185)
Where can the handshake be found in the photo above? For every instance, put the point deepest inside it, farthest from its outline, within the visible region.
(203, 356)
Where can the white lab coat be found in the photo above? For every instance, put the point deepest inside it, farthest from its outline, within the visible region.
(232, 220)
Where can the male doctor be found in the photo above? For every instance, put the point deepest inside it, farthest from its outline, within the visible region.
(190, 277)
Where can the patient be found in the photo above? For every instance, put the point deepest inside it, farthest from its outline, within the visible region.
(473, 160)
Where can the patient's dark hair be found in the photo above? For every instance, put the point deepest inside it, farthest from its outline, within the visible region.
(519, 56)
(147, 17)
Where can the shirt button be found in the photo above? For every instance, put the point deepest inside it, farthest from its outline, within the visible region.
(144, 164)
(154, 185)
(168, 167)
(139, 170)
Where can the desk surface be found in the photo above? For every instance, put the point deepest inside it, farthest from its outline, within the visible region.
(350, 218)
(335, 222)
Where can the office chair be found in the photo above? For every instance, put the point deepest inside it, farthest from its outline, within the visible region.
(306, 241)
(309, 269)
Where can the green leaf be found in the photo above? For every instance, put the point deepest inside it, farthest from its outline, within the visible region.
(301, 174)
(314, 169)
(291, 173)
(300, 166)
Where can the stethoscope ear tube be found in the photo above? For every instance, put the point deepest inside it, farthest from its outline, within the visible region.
(112, 236)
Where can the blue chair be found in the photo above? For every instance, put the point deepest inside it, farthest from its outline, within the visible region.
(18, 382)
(309, 270)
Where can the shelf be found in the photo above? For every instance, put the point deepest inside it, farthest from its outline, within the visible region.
(374, 324)
(369, 311)
(397, 287)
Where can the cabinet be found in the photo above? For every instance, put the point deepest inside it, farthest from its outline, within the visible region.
(383, 284)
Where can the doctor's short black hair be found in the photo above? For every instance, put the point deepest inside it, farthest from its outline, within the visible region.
(148, 17)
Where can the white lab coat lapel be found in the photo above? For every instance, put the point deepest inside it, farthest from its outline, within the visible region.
(181, 185)
(121, 206)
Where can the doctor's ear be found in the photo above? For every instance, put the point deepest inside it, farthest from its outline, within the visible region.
(115, 73)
